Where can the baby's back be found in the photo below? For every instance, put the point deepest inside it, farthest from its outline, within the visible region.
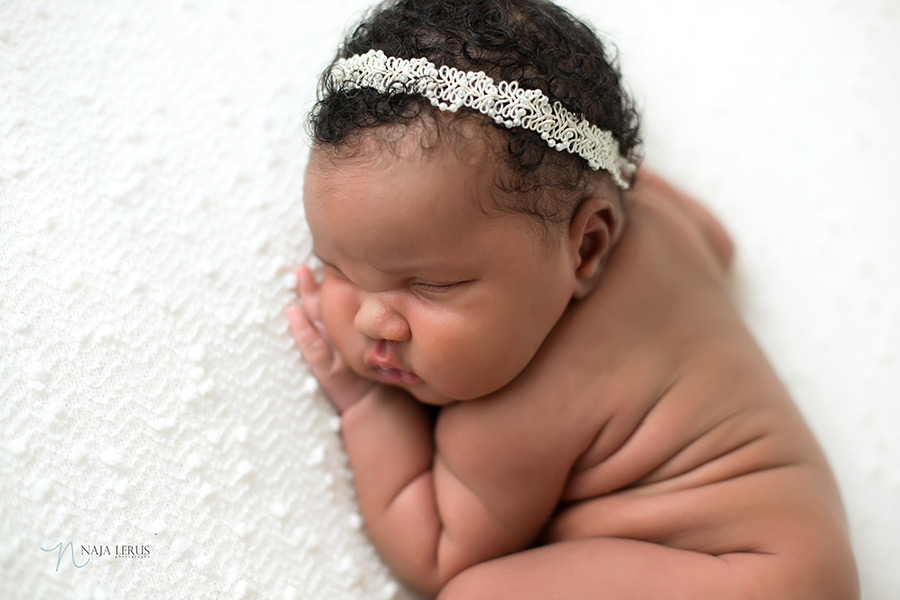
(698, 446)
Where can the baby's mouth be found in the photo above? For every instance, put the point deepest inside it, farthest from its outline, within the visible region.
(384, 362)
(392, 375)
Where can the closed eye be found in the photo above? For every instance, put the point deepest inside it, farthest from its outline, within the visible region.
(433, 286)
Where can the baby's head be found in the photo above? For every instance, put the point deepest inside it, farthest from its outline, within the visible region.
(453, 240)
(532, 42)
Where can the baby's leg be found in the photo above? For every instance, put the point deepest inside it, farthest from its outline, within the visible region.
(614, 569)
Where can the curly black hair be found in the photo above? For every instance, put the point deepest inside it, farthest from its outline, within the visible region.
(534, 42)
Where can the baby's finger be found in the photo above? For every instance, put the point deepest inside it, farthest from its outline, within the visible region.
(313, 345)
(308, 289)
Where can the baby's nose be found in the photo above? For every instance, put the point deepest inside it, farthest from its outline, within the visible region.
(376, 319)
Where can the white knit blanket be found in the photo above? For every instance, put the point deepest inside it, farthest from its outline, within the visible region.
(153, 409)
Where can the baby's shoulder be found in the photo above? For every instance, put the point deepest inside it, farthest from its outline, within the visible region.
(680, 223)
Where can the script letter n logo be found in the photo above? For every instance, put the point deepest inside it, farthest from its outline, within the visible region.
(62, 551)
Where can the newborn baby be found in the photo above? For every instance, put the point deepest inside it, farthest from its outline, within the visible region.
(545, 389)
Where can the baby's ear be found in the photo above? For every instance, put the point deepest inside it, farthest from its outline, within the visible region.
(593, 231)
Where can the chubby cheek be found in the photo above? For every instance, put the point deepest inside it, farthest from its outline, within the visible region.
(469, 359)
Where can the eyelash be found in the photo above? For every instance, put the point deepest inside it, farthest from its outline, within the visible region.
(435, 287)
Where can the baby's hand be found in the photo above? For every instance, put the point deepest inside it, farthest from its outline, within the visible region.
(343, 386)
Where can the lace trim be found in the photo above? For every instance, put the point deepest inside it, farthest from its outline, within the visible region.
(506, 103)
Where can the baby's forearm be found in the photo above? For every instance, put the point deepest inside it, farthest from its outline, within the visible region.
(427, 524)
(390, 443)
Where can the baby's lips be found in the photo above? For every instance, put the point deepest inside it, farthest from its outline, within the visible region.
(391, 375)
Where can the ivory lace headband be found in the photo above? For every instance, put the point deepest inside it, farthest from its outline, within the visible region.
(506, 103)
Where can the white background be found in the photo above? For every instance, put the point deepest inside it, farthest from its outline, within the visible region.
(151, 159)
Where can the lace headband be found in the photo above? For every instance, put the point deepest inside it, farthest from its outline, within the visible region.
(506, 103)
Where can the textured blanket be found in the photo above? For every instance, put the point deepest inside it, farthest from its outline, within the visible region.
(154, 412)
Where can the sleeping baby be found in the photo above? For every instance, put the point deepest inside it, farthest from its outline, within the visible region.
(545, 389)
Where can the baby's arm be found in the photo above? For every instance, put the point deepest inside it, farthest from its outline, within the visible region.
(388, 436)
(430, 513)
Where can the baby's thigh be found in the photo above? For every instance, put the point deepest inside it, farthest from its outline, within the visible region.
(613, 568)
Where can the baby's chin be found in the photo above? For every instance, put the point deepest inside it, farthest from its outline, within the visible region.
(429, 394)
(421, 391)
